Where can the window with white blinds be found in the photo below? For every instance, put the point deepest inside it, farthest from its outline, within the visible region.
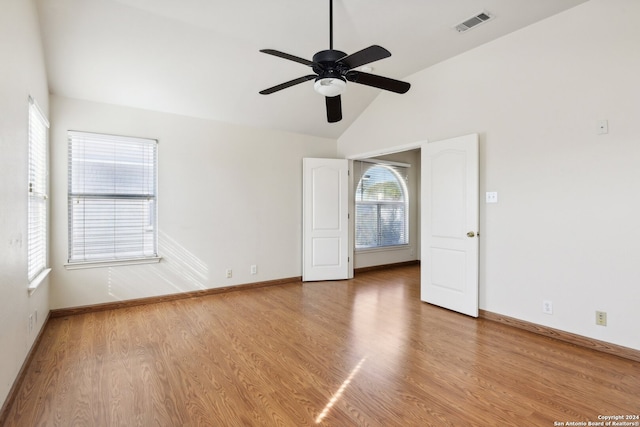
(112, 197)
(382, 206)
(37, 229)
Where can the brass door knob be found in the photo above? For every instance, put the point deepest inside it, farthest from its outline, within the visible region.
(471, 234)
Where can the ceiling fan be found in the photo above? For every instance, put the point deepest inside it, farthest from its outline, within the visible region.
(333, 68)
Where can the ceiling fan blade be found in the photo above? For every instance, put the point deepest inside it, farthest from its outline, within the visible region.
(378, 81)
(287, 56)
(364, 56)
(334, 108)
(288, 84)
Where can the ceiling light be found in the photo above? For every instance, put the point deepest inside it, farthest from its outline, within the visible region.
(330, 86)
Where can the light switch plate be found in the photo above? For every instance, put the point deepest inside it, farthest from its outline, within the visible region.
(603, 127)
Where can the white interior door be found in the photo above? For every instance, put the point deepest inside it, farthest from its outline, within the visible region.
(325, 227)
(449, 273)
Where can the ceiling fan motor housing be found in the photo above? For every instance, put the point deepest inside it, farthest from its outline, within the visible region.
(326, 66)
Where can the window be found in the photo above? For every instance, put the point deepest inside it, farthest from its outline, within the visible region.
(112, 198)
(382, 206)
(37, 229)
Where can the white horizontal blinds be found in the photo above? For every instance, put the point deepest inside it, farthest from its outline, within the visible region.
(112, 197)
(381, 205)
(38, 177)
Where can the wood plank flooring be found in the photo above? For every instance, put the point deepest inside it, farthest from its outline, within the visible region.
(362, 352)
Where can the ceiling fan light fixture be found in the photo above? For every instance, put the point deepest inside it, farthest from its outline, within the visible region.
(330, 86)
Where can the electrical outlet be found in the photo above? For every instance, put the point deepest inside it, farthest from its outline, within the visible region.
(547, 307)
(229, 273)
(601, 318)
(254, 269)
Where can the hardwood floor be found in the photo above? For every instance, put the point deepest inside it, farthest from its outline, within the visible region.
(363, 352)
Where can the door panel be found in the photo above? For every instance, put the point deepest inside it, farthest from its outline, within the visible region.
(325, 219)
(449, 273)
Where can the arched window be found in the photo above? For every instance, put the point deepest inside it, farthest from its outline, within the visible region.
(382, 207)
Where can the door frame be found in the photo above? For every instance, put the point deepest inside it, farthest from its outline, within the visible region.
(352, 183)
(390, 150)
(397, 149)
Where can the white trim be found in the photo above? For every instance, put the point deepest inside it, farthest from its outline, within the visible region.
(389, 150)
(35, 283)
(80, 133)
(401, 247)
(111, 263)
(385, 162)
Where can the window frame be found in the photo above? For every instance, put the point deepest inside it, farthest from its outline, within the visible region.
(37, 198)
(402, 179)
(148, 214)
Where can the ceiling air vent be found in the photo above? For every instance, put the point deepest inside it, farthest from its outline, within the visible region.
(473, 21)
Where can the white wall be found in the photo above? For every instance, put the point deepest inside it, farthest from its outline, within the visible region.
(566, 228)
(22, 73)
(229, 197)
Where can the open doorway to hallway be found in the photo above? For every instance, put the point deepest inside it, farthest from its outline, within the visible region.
(386, 209)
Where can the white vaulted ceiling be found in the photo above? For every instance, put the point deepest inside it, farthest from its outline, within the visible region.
(201, 57)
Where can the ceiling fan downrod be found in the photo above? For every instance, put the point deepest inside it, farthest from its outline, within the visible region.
(330, 24)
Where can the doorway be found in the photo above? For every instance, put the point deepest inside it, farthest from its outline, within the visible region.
(393, 248)
(447, 223)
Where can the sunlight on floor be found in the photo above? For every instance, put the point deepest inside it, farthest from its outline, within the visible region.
(341, 390)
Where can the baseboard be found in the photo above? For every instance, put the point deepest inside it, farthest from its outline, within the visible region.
(64, 312)
(386, 266)
(17, 383)
(579, 340)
